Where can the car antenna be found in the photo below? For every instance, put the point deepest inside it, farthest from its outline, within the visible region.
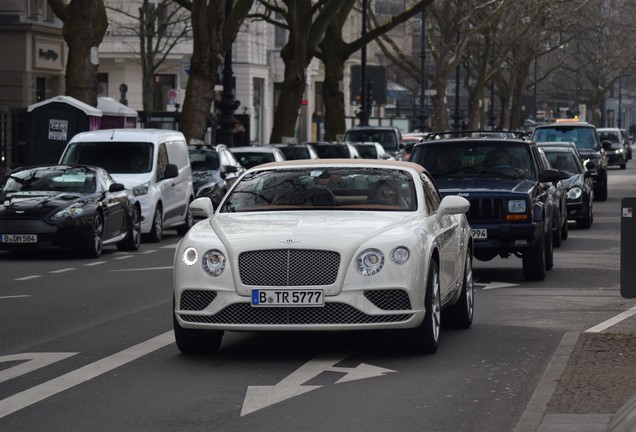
(112, 135)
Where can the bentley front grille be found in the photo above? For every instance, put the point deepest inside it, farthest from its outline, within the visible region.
(196, 300)
(288, 267)
(331, 313)
(393, 299)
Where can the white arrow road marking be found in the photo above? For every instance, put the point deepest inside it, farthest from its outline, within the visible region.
(83, 374)
(35, 361)
(495, 285)
(258, 397)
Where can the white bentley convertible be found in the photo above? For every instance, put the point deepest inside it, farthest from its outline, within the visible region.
(323, 245)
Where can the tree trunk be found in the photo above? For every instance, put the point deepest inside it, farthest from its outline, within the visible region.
(85, 23)
(207, 55)
(333, 95)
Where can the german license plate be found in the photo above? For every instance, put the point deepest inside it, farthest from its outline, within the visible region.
(19, 238)
(479, 233)
(274, 297)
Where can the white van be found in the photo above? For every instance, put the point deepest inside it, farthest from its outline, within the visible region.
(152, 163)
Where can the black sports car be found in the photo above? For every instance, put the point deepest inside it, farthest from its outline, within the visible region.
(78, 207)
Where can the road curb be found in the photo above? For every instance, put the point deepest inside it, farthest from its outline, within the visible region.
(534, 414)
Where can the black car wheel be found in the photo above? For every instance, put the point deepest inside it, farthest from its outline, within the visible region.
(424, 339)
(189, 221)
(156, 232)
(196, 341)
(133, 235)
(586, 221)
(95, 244)
(460, 315)
(534, 261)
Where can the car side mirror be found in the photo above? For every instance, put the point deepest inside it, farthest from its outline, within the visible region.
(172, 171)
(202, 208)
(590, 165)
(116, 187)
(549, 176)
(607, 145)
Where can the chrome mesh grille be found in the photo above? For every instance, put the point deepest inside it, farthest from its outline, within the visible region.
(196, 300)
(394, 299)
(331, 313)
(26, 226)
(289, 267)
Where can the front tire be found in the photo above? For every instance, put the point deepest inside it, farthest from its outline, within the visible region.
(95, 244)
(156, 232)
(460, 315)
(195, 341)
(133, 235)
(534, 261)
(424, 339)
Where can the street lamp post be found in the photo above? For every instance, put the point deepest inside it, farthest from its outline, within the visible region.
(228, 103)
(457, 79)
(363, 112)
(423, 115)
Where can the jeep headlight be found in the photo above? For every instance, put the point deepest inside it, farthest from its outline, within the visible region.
(575, 193)
(142, 189)
(369, 262)
(516, 206)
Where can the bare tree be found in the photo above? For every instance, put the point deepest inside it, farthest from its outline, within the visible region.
(158, 27)
(212, 36)
(85, 24)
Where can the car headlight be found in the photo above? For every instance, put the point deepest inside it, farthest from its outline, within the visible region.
(400, 255)
(618, 151)
(68, 213)
(575, 193)
(142, 189)
(369, 262)
(190, 256)
(206, 190)
(213, 262)
(516, 206)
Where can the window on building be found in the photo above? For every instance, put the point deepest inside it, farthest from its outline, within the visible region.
(102, 84)
(280, 34)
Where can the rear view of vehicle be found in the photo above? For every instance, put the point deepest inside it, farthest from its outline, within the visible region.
(511, 209)
(389, 137)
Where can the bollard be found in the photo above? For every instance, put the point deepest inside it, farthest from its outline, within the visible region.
(628, 247)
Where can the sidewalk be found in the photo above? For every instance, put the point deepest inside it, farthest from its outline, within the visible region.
(590, 383)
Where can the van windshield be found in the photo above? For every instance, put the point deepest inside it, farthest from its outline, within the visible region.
(114, 157)
(583, 137)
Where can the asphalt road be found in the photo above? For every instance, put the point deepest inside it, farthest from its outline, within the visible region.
(88, 345)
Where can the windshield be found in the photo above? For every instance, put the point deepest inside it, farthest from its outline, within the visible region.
(373, 189)
(475, 159)
(201, 160)
(331, 151)
(115, 157)
(387, 138)
(251, 159)
(565, 162)
(584, 137)
(367, 151)
(293, 153)
(50, 179)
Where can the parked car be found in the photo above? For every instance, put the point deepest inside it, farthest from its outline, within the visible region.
(74, 207)
(511, 209)
(590, 147)
(371, 150)
(617, 154)
(297, 151)
(326, 245)
(214, 170)
(577, 180)
(389, 137)
(559, 198)
(628, 142)
(250, 156)
(152, 163)
(335, 150)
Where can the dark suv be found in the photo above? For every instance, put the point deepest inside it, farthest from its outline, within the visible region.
(214, 170)
(585, 136)
(507, 184)
(389, 137)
